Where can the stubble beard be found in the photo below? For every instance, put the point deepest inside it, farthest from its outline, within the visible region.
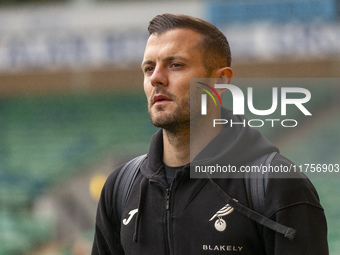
(174, 122)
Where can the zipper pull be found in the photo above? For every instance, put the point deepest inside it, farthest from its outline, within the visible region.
(167, 199)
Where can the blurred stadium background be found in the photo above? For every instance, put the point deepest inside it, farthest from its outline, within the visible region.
(72, 106)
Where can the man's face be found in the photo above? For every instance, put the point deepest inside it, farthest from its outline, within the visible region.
(170, 60)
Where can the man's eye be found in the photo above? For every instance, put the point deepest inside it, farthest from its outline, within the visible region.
(176, 65)
(148, 69)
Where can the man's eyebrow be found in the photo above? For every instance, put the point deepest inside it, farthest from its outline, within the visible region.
(172, 58)
(167, 59)
(147, 62)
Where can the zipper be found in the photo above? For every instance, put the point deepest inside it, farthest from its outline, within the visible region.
(168, 231)
(168, 218)
(168, 192)
(168, 214)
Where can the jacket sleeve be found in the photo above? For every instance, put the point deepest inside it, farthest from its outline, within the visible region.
(311, 236)
(294, 202)
(107, 236)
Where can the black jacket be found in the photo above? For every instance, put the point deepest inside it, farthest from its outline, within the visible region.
(191, 218)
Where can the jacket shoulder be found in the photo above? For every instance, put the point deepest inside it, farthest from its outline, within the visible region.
(289, 188)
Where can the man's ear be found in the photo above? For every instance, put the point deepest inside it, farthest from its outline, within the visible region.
(225, 73)
(225, 76)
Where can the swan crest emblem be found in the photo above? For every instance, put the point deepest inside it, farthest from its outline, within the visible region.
(220, 224)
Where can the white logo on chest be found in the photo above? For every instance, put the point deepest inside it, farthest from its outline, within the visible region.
(131, 213)
(220, 224)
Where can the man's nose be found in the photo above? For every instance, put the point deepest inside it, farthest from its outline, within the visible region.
(159, 77)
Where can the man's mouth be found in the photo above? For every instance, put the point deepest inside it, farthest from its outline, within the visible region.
(160, 99)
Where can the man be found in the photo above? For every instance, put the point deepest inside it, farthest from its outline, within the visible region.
(170, 213)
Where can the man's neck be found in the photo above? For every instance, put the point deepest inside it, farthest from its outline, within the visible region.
(176, 148)
(180, 148)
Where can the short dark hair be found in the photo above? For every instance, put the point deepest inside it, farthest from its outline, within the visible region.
(215, 46)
